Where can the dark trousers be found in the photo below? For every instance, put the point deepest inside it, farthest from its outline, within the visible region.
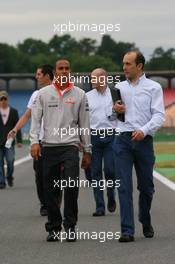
(53, 160)
(102, 150)
(141, 155)
(88, 174)
(38, 168)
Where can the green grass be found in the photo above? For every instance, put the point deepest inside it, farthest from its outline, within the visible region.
(26, 142)
(167, 172)
(165, 159)
(164, 137)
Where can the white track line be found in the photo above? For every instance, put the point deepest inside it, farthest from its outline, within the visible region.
(157, 175)
(164, 180)
(22, 160)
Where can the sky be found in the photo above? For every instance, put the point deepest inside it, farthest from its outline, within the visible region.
(149, 24)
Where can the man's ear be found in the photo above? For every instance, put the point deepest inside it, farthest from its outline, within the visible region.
(140, 66)
(54, 73)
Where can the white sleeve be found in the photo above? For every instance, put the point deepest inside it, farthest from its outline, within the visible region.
(36, 119)
(158, 112)
(32, 98)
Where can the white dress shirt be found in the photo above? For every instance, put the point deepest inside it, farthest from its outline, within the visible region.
(100, 108)
(144, 105)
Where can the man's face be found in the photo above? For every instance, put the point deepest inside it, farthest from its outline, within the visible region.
(131, 70)
(62, 71)
(98, 80)
(4, 102)
(41, 78)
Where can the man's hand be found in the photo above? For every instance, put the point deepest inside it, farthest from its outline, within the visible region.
(138, 135)
(12, 133)
(86, 160)
(35, 151)
(119, 107)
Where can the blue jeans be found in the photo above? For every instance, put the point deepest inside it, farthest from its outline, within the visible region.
(102, 149)
(141, 155)
(9, 155)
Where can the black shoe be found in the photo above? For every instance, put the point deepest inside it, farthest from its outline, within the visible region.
(126, 238)
(98, 213)
(148, 231)
(43, 211)
(111, 205)
(71, 234)
(10, 182)
(53, 236)
(2, 185)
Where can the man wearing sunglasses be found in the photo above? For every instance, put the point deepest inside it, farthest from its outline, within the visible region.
(64, 109)
(8, 118)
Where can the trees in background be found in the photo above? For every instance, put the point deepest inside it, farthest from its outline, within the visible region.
(85, 54)
(162, 60)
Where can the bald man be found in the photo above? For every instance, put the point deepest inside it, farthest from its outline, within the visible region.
(102, 137)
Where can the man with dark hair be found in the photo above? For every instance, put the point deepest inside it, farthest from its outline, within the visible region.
(140, 59)
(142, 103)
(63, 107)
(44, 76)
(45, 70)
(8, 118)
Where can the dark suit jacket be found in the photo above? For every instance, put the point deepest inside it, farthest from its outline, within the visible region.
(11, 122)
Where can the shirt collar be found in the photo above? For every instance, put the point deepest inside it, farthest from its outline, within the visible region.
(57, 86)
(104, 93)
(141, 78)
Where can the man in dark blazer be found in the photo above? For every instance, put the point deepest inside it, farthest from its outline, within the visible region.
(8, 119)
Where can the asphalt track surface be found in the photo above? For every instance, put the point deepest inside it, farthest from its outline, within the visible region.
(22, 233)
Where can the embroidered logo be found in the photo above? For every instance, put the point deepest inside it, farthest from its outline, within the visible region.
(70, 100)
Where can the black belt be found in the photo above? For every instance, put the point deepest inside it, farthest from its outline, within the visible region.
(128, 133)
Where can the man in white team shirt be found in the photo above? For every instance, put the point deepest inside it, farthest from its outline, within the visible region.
(44, 76)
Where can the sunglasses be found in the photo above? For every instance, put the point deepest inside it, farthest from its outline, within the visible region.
(62, 68)
(3, 98)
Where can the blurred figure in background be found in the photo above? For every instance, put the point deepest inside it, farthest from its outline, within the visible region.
(8, 118)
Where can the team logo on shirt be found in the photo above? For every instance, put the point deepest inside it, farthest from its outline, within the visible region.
(70, 100)
(53, 102)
